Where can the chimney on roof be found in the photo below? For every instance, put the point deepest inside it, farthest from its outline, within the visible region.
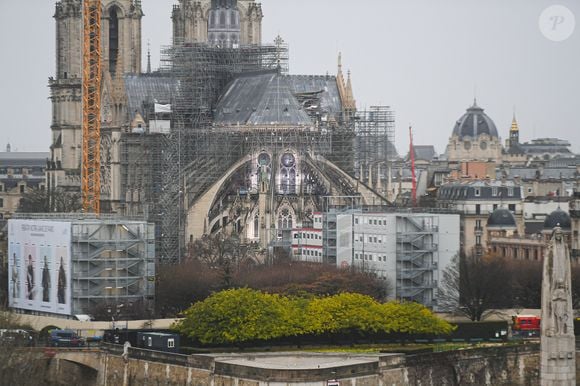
(8, 148)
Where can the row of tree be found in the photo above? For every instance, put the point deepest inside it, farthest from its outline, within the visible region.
(493, 282)
(214, 265)
(242, 315)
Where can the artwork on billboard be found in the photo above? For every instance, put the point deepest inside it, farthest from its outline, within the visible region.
(39, 267)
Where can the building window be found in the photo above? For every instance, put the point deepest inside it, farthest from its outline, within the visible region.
(510, 192)
(477, 240)
(256, 223)
(512, 208)
(356, 220)
(477, 192)
(529, 190)
(1, 203)
(113, 39)
(477, 209)
(22, 187)
(494, 191)
(170, 343)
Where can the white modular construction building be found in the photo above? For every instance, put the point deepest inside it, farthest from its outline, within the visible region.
(66, 264)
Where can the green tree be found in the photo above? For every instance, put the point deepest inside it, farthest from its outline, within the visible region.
(412, 318)
(240, 315)
(343, 313)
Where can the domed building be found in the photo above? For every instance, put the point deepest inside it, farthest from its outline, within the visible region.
(558, 218)
(474, 138)
(501, 222)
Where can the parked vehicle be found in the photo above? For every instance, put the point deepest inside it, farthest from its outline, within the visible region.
(158, 341)
(65, 338)
(526, 326)
(16, 337)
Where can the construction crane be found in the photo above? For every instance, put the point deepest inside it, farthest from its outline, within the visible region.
(91, 162)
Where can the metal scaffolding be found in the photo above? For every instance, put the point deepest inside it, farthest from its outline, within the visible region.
(417, 258)
(374, 143)
(194, 154)
(165, 173)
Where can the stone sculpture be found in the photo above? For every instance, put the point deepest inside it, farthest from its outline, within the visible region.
(558, 350)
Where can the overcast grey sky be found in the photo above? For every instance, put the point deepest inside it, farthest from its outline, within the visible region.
(425, 58)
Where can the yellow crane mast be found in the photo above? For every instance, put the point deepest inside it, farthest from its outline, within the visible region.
(91, 163)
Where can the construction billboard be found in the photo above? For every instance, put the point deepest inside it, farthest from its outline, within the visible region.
(39, 266)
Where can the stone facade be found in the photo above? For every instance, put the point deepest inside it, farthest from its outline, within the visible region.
(121, 54)
(474, 138)
(516, 365)
(191, 21)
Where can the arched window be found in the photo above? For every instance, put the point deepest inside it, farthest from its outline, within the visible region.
(113, 40)
(256, 226)
(288, 173)
(285, 219)
(233, 21)
(222, 19)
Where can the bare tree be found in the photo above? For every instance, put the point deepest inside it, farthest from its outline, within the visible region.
(53, 200)
(473, 285)
(225, 255)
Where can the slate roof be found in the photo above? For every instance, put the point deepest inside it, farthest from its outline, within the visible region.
(474, 123)
(260, 99)
(23, 159)
(425, 152)
(501, 218)
(546, 174)
(330, 97)
(145, 88)
(558, 218)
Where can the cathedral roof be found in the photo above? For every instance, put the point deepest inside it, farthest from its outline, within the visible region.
(260, 99)
(325, 85)
(475, 123)
(147, 89)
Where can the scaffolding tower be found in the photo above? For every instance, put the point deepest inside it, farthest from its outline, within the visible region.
(417, 258)
(195, 155)
(374, 148)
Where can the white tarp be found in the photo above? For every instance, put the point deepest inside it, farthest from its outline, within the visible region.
(39, 266)
(159, 108)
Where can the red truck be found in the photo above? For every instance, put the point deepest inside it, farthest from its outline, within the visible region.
(526, 326)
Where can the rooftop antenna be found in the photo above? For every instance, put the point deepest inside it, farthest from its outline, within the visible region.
(148, 56)
(414, 180)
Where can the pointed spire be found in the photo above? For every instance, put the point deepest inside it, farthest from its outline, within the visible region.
(349, 92)
(148, 57)
(515, 126)
(340, 62)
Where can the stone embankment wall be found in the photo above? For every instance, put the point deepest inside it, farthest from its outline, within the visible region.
(516, 365)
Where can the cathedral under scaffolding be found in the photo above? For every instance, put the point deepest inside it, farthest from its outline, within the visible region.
(186, 146)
